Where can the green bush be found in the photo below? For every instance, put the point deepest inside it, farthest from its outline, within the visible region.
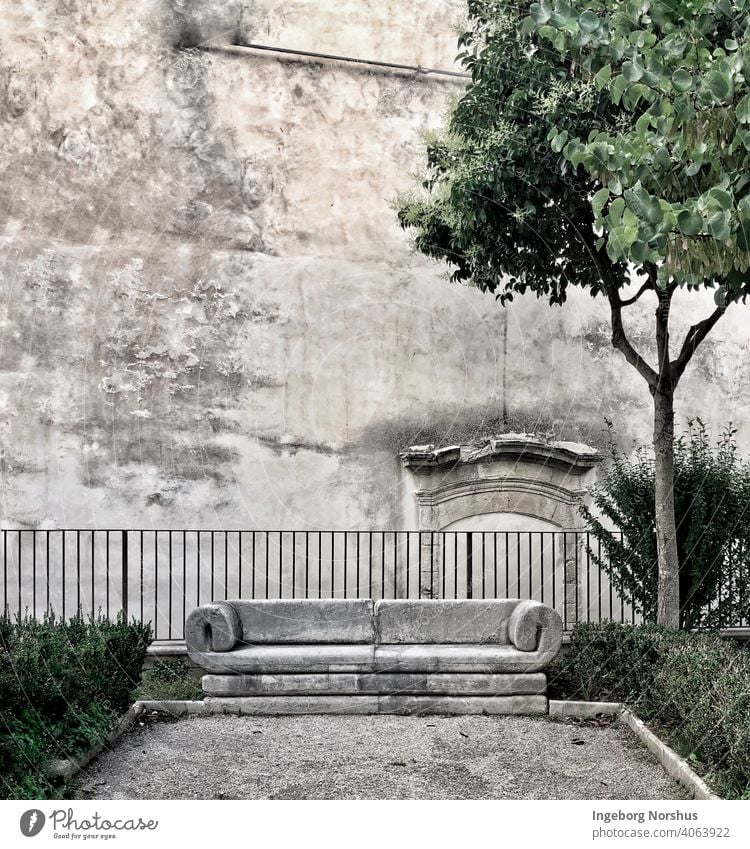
(606, 661)
(694, 687)
(712, 503)
(63, 685)
(167, 680)
(703, 686)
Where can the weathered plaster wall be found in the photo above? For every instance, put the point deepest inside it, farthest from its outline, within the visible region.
(209, 316)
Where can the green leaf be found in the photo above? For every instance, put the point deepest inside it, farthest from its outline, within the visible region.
(617, 89)
(588, 21)
(639, 251)
(558, 142)
(629, 235)
(644, 207)
(654, 212)
(662, 159)
(681, 80)
(602, 77)
(742, 237)
(718, 226)
(719, 83)
(632, 71)
(598, 201)
(616, 209)
(676, 44)
(562, 13)
(619, 242)
(540, 13)
(720, 198)
(742, 112)
(690, 223)
(629, 217)
(744, 208)
(642, 125)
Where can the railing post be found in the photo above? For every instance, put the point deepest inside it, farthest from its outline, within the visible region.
(125, 574)
(428, 560)
(571, 577)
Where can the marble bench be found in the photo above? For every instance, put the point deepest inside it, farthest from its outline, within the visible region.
(353, 656)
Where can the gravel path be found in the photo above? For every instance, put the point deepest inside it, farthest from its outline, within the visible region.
(384, 757)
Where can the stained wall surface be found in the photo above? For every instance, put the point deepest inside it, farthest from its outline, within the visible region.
(209, 316)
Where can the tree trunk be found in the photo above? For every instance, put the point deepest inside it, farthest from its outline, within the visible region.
(662, 383)
(668, 607)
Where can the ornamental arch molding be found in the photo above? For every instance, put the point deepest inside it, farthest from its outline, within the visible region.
(509, 476)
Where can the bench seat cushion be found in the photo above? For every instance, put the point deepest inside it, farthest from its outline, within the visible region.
(310, 658)
(462, 657)
(303, 657)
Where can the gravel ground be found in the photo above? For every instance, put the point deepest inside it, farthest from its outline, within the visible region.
(384, 757)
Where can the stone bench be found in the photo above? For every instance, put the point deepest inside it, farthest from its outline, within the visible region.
(339, 655)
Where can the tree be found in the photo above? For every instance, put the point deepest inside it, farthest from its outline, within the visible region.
(712, 505)
(603, 144)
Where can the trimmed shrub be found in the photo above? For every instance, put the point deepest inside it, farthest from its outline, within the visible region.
(63, 685)
(694, 687)
(606, 661)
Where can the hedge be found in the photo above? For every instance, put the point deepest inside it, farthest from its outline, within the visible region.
(63, 685)
(694, 688)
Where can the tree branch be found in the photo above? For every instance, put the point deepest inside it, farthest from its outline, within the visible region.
(621, 342)
(620, 339)
(695, 336)
(648, 286)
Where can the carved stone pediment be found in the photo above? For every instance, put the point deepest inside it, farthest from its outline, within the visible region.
(510, 473)
(567, 456)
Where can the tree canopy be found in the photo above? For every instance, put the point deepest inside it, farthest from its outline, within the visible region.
(597, 139)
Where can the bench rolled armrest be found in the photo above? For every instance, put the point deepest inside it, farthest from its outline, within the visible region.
(534, 626)
(213, 627)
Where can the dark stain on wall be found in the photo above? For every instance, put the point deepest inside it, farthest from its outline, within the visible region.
(281, 446)
(464, 425)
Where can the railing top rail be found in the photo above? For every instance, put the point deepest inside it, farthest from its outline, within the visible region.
(292, 531)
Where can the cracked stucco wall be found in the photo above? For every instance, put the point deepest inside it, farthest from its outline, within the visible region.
(209, 316)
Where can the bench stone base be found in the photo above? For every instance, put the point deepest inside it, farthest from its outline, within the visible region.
(397, 684)
(398, 704)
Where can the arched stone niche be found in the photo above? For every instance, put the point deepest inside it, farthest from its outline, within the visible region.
(501, 523)
(509, 475)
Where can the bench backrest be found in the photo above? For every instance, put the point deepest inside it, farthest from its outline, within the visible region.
(306, 620)
(426, 622)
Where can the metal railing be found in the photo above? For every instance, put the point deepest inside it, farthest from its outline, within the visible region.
(161, 575)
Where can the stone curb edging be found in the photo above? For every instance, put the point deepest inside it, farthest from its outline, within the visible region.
(583, 710)
(675, 766)
(68, 767)
(672, 763)
(174, 707)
